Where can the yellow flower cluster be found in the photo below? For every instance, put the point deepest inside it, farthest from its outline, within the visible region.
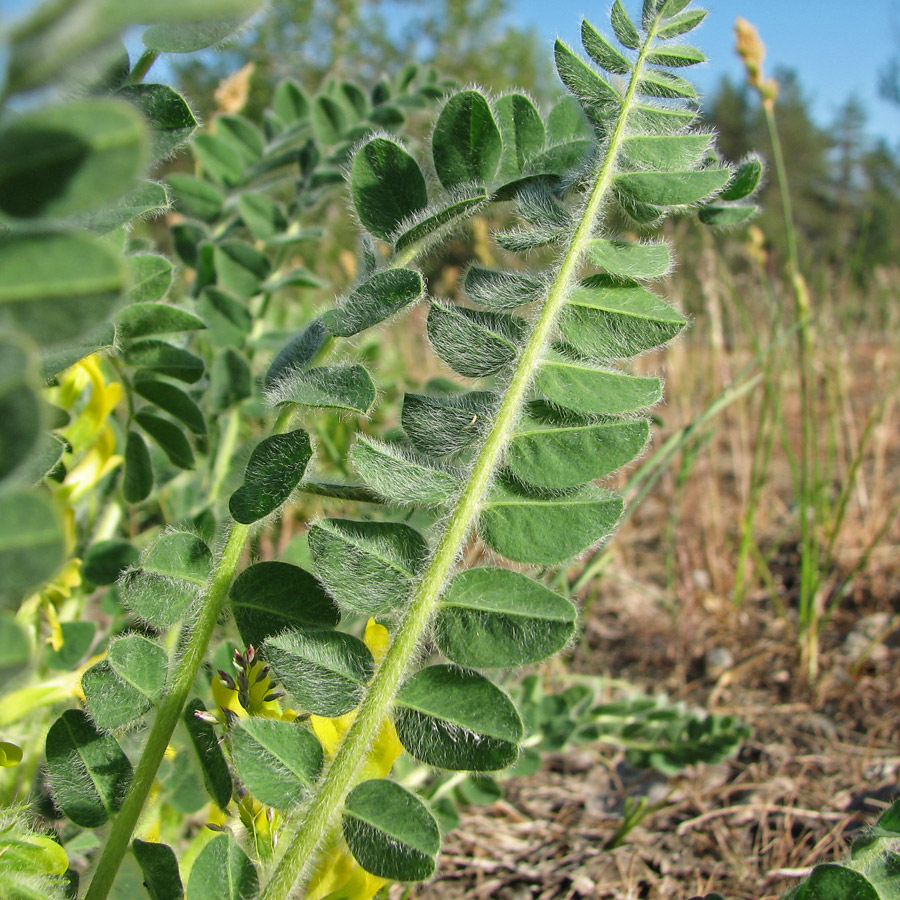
(752, 51)
(90, 435)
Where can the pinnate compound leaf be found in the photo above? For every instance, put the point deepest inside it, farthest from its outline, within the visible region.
(454, 718)
(57, 287)
(745, 180)
(147, 200)
(298, 353)
(600, 100)
(171, 575)
(657, 83)
(328, 120)
(169, 437)
(501, 290)
(608, 318)
(665, 153)
(188, 38)
(140, 662)
(623, 27)
(32, 545)
(347, 387)
(399, 476)
(832, 881)
(222, 872)
(474, 343)
(290, 102)
(434, 224)
(160, 870)
(369, 567)
(171, 399)
(166, 111)
(496, 618)
(675, 56)
(630, 260)
(46, 45)
(104, 561)
(373, 301)
(150, 277)
(63, 160)
(138, 479)
(562, 455)
(587, 390)
(681, 24)
(263, 216)
(127, 683)
(164, 358)
(390, 831)
(466, 142)
(647, 118)
(243, 135)
(276, 760)
(672, 188)
(89, 773)
(726, 216)
(228, 319)
(547, 530)
(216, 777)
(230, 381)
(601, 51)
(270, 597)
(522, 130)
(567, 123)
(240, 267)
(273, 472)
(191, 245)
(442, 425)
(220, 159)
(195, 197)
(673, 7)
(142, 319)
(387, 186)
(20, 404)
(325, 671)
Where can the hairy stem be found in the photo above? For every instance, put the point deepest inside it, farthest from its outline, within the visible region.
(168, 715)
(302, 853)
(142, 66)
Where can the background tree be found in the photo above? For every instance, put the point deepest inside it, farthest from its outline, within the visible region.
(470, 40)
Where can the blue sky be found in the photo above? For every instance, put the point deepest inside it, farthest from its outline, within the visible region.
(836, 46)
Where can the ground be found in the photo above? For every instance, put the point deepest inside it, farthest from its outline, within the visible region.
(824, 756)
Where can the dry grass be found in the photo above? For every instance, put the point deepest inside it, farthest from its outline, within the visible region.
(823, 759)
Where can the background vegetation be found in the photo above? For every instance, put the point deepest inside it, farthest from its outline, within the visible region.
(702, 594)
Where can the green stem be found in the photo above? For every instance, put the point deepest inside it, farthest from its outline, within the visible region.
(806, 487)
(301, 854)
(142, 66)
(224, 452)
(168, 715)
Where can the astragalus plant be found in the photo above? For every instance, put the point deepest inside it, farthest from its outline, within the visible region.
(297, 739)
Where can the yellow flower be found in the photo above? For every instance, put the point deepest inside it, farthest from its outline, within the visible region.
(91, 438)
(95, 465)
(253, 675)
(340, 877)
